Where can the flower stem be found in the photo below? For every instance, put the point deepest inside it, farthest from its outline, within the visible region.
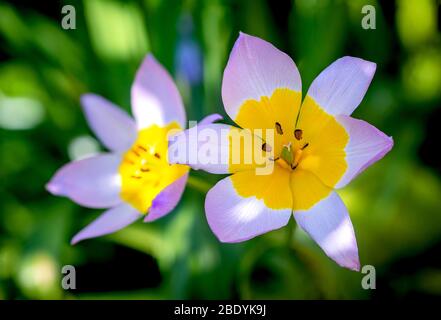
(198, 184)
(290, 234)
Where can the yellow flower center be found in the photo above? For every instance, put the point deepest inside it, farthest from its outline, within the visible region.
(145, 171)
(307, 149)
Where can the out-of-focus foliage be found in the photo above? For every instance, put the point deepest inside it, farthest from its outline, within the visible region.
(395, 205)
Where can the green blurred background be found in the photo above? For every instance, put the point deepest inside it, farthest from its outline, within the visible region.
(395, 205)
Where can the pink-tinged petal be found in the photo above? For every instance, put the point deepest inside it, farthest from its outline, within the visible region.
(112, 125)
(167, 200)
(366, 146)
(329, 224)
(155, 98)
(255, 69)
(340, 88)
(92, 182)
(233, 218)
(110, 221)
(210, 119)
(203, 147)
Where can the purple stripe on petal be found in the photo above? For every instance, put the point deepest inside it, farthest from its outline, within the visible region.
(110, 221)
(210, 119)
(112, 125)
(167, 200)
(155, 98)
(340, 88)
(255, 69)
(366, 145)
(233, 218)
(93, 182)
(329, 224)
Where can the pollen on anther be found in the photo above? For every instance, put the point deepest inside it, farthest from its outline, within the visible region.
(157, 155)
(266, 147)
(298, 133)
(279, 128)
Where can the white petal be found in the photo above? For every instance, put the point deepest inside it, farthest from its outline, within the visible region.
(155, 98)
(167, 199)
(203, 147)
(92, 182)
(112, 125)
(366, 146)
(110, 221)
(214, 117)
(329, 224)
(255, 69)
(234, 218)
(340, 88)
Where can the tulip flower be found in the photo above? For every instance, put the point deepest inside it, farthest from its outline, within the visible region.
(316, 147)
(134, 179)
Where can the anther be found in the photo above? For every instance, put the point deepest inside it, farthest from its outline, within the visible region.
(136, 153)
(145, 169)
(157, 155)
(136, 177)
(298, 134)
(142, 148)
(279, 128)
(266, 147)
(305, 146)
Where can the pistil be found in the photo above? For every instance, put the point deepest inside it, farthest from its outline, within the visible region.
(289, 158)
(286, 154)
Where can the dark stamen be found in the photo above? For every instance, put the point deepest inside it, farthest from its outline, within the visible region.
(266, 147)
(305, 146)
(298, 134)
(136, 177)
(279, 128)
(142, 148)
(136, 153)
(145, 169)
(157, 155)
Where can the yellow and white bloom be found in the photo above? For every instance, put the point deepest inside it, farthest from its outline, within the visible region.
(317, 147)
